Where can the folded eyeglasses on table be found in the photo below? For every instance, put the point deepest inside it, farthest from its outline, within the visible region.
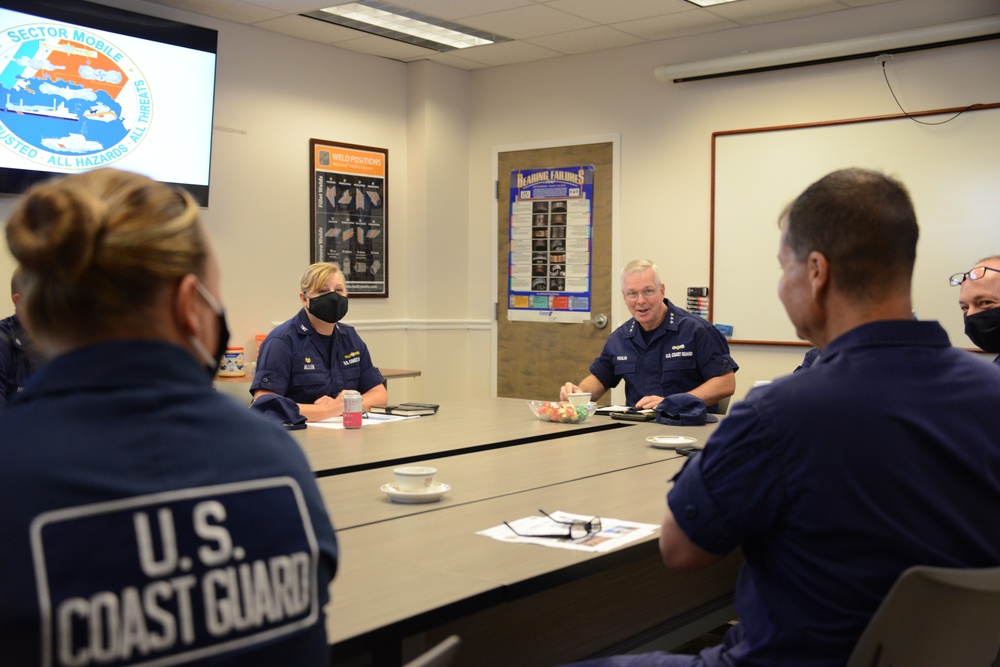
(574, 530)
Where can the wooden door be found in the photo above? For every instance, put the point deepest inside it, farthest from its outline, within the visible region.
(534, 359)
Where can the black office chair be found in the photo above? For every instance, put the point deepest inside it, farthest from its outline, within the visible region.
(441, 655)
(935, 616)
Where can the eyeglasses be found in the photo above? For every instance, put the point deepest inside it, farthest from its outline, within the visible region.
(972, 274)
(647, 294)
(575, 530)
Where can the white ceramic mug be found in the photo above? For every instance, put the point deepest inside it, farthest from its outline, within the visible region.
(414, 479)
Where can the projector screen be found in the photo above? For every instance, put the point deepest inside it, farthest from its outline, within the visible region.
(83, 86)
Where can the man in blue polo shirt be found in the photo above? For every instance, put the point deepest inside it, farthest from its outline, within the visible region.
(662, 350)
(979, 299)
(834, 481)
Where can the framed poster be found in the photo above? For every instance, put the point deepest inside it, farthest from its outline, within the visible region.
(549, 262)
(349, 214)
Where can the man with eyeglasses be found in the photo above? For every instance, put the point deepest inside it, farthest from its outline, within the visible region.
(662, 350)
(979, 298)
(882, 456)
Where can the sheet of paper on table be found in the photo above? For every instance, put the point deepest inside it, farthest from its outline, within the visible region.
(369, 420)
(615, 532)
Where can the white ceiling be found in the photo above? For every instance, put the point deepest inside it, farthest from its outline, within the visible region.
(543, 29)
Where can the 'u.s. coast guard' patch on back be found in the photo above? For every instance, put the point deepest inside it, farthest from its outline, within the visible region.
(175, 576)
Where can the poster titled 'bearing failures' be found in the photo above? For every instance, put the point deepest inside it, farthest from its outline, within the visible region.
(550, 232)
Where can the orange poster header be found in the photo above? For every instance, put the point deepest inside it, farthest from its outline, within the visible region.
(349, 161)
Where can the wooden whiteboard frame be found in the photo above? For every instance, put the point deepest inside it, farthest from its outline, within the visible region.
(951, 170)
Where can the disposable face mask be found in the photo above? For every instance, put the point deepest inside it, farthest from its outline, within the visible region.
(983, 329)
(330, 307)
(212, 364)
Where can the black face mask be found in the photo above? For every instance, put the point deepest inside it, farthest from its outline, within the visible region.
(983, 329)
(212, 365)
(330, 307)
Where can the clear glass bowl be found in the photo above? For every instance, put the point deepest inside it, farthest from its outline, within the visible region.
(562, 413)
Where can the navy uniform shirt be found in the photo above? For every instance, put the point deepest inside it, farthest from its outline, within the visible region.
(297, 362)
(682, 353)
(16, 358)
(810, 358)
(882, 456)
(148, 519)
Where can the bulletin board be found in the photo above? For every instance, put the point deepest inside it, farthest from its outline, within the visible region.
(951, 171)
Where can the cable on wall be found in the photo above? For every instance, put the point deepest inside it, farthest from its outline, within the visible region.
(888, 56)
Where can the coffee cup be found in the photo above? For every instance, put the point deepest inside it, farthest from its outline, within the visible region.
(414, 479)
(579, 398)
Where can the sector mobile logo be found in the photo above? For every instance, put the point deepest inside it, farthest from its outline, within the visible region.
(69, 99)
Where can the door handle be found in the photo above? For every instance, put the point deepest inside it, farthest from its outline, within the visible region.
(600, 321)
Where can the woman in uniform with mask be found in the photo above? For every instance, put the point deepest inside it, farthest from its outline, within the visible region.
(314, 358)
(137, 499)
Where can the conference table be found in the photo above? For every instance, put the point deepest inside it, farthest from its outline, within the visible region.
(411, 574)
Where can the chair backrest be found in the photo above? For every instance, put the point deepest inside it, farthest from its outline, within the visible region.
(441, 655)
(934, 616)
(722, 407)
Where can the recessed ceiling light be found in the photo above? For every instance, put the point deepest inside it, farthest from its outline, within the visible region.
(710, 3)
(385, 20)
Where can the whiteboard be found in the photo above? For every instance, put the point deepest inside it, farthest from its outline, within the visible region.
(952, 172)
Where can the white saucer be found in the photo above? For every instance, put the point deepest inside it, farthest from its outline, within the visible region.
(670, 441)
(436, 490)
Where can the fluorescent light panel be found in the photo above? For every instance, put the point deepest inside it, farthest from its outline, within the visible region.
(385, 20)
(710, 3)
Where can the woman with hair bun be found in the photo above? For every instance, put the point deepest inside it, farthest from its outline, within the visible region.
(313, 358)
(146, 517)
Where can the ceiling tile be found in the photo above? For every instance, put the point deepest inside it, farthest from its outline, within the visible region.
(457, 60)
(290, 6)
(602, 11)
(314, 30)
(864, 3)
(524, 22)
(388, 48)
(507, 53)
(770, 11)
(586, 40)
(550, 28)
(455, 10)
(227, 10)
(683, 24)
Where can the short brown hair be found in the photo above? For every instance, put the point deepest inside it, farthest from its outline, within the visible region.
(863, 222)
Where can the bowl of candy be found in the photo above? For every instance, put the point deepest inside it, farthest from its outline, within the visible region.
(562, 413)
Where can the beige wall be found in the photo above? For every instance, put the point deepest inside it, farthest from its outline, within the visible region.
(441, 127)
(666, 140)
